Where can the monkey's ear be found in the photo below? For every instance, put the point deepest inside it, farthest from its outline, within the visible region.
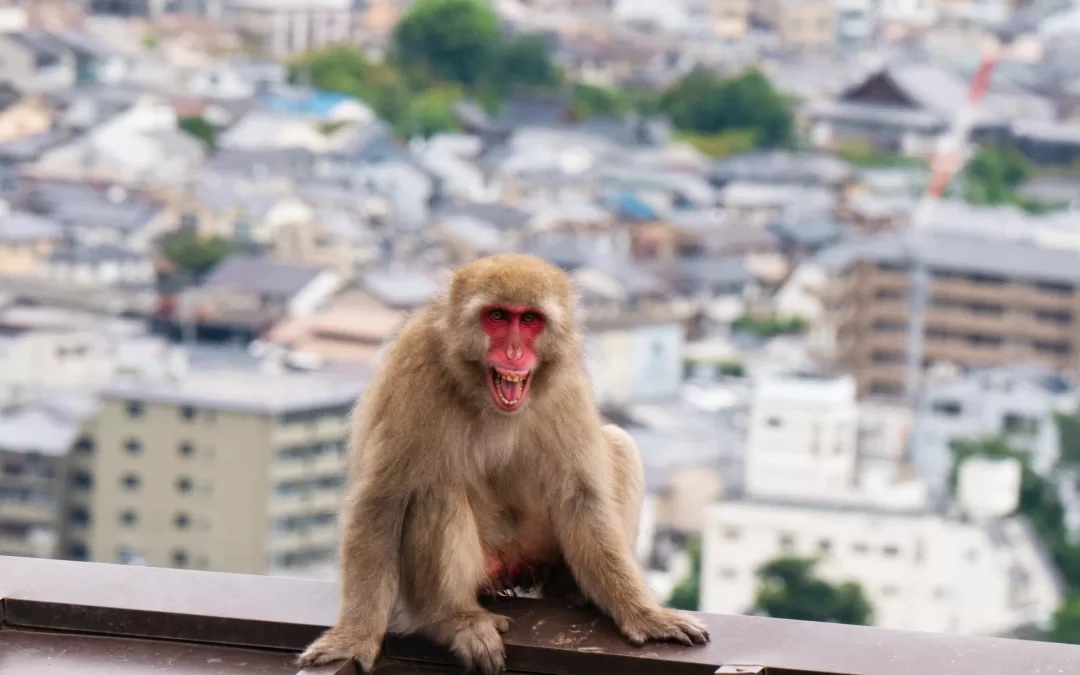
(443, 277)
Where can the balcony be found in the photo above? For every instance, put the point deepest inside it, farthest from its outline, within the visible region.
(90, 618)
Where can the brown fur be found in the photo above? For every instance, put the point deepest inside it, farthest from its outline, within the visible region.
(439, 476)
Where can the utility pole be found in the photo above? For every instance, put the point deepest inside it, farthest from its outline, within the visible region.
(949, 158)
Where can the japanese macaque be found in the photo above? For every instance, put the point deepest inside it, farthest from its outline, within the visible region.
(479, 464)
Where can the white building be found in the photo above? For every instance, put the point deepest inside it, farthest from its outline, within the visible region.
(803, 437)
(1015, 402)
(918, 570)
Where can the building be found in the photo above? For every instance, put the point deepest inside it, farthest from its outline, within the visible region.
(35, 61)
(919, 571)
(802, 24)
(992, 301)
(280, 29)
(634, 359)
(730, 18)
(803, 437)
(221, 469)
(1011, 402)
(25, 241)
(35, 441)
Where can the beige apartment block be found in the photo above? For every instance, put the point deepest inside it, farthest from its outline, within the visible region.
(802, 24)
(990, 302)
(225, 470)
(730, 18)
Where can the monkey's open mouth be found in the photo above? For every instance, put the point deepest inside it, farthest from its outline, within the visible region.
(508, 388)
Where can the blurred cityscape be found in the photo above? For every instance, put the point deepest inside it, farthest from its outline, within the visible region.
(829, 252)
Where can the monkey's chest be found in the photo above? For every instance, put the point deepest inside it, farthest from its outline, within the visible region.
(519, 554)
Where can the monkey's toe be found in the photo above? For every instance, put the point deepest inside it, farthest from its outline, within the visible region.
(479, 645)
(333, 647)
(666, 624)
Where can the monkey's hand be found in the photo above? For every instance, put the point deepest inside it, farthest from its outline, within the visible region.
(341, 644)
(477, 641)
(661, 623)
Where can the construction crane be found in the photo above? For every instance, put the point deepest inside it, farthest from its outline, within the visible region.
(950, 155)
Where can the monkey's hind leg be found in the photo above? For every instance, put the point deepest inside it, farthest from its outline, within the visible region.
(443, 571)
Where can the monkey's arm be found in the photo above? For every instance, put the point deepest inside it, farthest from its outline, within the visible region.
(370, 552)
(593, 545)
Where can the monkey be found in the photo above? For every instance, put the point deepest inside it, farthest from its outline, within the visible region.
(478, 462)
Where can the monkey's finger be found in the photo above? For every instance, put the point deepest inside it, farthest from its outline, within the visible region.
(636, 639)
(502, 623)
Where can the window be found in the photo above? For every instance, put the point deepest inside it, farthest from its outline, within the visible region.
(182, 521)
(860, 547)
(186, 449)
(130, 481)
(824, 545)
(774, 422)
(947, 408)
(78, 551)
(787, 543)
(135, 408)
(180, 558)
(79, 516)
(1015, 423)
(889, 591)
(84, 445)
(126, 555)
(731, 533)
(82, 480)
(891, 551)
(133, 446)
(188, 412)
(728, 573)
(184, 484)
(128, 518)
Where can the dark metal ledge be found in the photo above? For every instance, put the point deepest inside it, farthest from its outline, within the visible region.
(93, 618)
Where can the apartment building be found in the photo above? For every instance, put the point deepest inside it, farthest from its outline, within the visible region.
(226, 469)
(730, 18)
(281, 28)
(991, 302)
(802, 24)
(38, 436)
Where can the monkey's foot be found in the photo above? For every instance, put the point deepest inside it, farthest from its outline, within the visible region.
(477, 641)
(341, 645)
(661, 623)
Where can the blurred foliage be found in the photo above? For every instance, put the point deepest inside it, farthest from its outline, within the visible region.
(1068, 425)
(865, 155)
(196, 255)
(993, 174)
(447, 40)
(768, 326)
(687, 595)
(200, 129)
(524, 61)
(790, 590)
(705, 103)
(589, 101)
(730, 369)
(722, 144)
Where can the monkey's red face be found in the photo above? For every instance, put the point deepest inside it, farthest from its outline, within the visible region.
(511, 359)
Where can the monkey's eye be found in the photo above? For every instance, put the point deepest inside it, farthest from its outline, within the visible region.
(529, 317)
(497, 315)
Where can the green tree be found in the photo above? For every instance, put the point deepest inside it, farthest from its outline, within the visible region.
(790, 590)
(704, 103)
(589, 101)
(1066, 623)
(200, 129)
(525, 60)
(1068, 425)
(451, 40)
(993, 174)
(193, 254)
(426, 115)
(342, 69)
(687, 595)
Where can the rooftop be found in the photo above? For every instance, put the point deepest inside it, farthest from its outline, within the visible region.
(58, 616)
(241, 390)
(249, 274)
